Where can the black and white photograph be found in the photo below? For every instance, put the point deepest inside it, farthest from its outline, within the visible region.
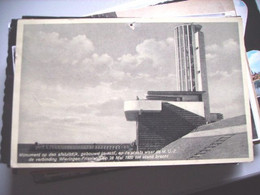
(130, 92)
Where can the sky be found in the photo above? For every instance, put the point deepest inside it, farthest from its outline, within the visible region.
(254, 60)
(254, 63)
(76, 77)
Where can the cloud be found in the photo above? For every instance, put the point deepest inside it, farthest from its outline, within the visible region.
(213, 48)
(74, 62)
(65, 119)
(69, 86)
(225, 81)
(61, 61)
(222, 57)
(112, 107)
(227, 46)
(226, 89)
(152, 56)
(151, 67)
(105, 129)
(230, 45)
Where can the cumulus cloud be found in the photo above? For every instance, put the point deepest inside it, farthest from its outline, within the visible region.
(57, 59)
(112, 107)
(151, 67)
(213, 48)
(69, 86)
(153, 57)
(227, 46)
(226, 89)
(218, 56)
(225, 78)
(230, 45)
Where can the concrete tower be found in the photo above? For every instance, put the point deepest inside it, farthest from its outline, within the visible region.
(190, 61)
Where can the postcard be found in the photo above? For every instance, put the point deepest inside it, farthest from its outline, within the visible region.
(130, 92)
(254, 91)
(219, 8)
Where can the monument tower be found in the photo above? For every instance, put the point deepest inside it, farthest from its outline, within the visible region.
(165, 116)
